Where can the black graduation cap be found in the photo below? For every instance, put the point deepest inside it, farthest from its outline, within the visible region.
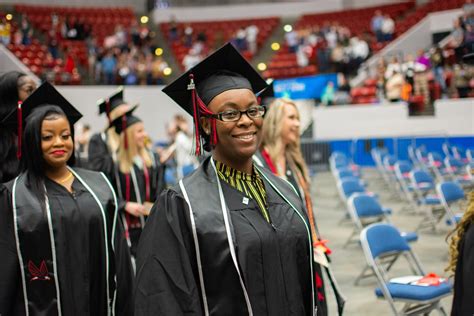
(126, 120)
(45, 94)
(221, 71)
(225, 69)
(110, 103)
(468, 58)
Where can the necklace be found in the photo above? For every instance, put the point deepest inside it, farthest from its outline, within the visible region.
(66, 178)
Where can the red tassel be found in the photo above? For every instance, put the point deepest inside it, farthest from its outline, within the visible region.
(124, 127)
(199, 108)
(107, 110)
(20, 129)
(127, 187)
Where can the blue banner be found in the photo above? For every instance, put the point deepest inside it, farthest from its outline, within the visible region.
(304, 87)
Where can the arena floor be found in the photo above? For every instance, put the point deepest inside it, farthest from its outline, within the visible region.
(431, 248)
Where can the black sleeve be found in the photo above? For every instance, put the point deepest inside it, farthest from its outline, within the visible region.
(159, 176)
(9, 266)
(166, 270)
(99, 156)
(468, 273)
(124, 302)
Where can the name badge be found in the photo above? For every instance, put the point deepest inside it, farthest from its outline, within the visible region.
(245, 200)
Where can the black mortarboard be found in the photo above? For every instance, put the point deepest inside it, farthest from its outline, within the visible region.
(126, 120)
(223, 70)
(110, 103)
(46, 94)
(468, 58)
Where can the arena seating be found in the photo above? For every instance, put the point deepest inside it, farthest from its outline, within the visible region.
(102, 21)
(227, 29)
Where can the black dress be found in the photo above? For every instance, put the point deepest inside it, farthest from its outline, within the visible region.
(274, 261)
(140, 192)
(80, 252)
(463, 302)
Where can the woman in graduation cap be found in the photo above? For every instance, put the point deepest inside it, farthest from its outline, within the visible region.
(14, 87)
(63, 250)
(280, 152)
(231, 238)
(138, 175)
(103, 146)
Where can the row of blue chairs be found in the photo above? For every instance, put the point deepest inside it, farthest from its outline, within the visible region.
(382, 243)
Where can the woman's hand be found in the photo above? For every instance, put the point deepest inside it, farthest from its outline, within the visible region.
(135, 209)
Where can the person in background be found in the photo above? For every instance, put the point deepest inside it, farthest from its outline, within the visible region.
(14, 87)
(388, 28)
(461, 249)
(188, 261)
(376, 25)
(183, 144)
(394, 86)
(280, 152)
(138, 175)
(328, 95)
(63, 249)
(103, 146)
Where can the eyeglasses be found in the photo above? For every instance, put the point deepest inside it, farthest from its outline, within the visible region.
(252, 112)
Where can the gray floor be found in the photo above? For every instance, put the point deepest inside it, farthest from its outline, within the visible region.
(431, 248)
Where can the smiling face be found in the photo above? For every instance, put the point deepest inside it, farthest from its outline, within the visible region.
(56, 141)
(237, 141)
(139, 134)
(290, 131)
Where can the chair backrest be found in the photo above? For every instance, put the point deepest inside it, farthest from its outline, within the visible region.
(344, 173)
(389, 160)
(434, 156)
(447, 149)
(470, 154)
(403, 166)
(365, 205)
(453, 162)
(382, 238)
(350, 186)
(450, 191)
(421, 176)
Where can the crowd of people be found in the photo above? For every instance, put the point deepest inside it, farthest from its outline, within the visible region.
(331, 47)
(236, 236)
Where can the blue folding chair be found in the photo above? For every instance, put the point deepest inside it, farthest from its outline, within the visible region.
(427, 201)
(365, 210)
(402, 172)
(457, 169)
(450, 193)
(379, 240)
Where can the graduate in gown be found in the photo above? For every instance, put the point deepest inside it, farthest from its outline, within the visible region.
(231, 238)
(280, 152)
(63, 249)
(103, 146)
(462, 262)
(138, 176)
(14, 87)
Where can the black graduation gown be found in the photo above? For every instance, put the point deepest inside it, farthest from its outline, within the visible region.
(80, 254)
(274, 261)
(100, 158)
(463, 302)
(320, 286)
(157, 184)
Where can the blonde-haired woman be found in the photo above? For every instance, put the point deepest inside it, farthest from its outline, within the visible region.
(138, 175)
(280, 151)
(462, 262)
